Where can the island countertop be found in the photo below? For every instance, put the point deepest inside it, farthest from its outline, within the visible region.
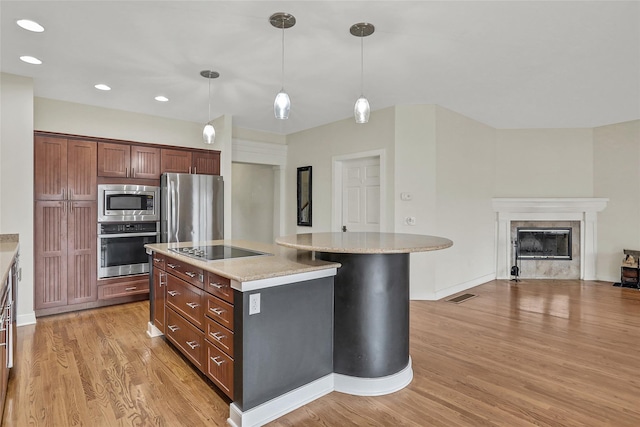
(8, 249)
(364, 242)
(278, 263)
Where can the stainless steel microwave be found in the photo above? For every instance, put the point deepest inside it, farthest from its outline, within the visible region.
(131, 203)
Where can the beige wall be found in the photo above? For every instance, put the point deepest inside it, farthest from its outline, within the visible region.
(16, 178)
(616, 174)
(252, 202)
(544, 163)
(316, 147)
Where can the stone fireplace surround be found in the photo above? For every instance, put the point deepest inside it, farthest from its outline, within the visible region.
(584, 210)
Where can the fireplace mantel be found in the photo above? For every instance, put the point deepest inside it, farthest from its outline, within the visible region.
(583, 209)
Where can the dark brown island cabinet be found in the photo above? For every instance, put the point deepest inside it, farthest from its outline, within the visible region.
(67, 171)
(9, 278)
(268, 357)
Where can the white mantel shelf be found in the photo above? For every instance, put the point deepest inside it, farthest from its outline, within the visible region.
(583, 209)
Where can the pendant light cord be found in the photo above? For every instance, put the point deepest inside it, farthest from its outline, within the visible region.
(362, 62)
(283, 54)
(209, 100)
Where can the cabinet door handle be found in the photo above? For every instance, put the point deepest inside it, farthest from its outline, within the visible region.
(217, 335)
(193, 344)
(64, 207)
(173, 328)
(190, 274)
(189, 169)
(216, 285)
(70, 194)
(70, 207)
(64, 194)
(157, 260)
(132, 288)
(163, 275)
(126, 172)
(193, 304)
(217, 311)
(216, 361)
(133, 172)
(194, 170)
(172, 266)
(172, 293)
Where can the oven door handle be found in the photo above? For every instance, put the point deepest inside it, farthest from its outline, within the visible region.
(106, 236)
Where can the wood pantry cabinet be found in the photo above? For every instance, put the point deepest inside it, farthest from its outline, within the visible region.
(194, 309)
(65, 231)
(128, 161)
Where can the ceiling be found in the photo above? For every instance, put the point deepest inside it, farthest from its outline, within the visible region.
(516, 64)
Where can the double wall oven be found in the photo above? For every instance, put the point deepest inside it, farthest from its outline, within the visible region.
(128, 219)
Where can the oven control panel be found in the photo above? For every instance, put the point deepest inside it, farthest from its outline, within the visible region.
(128, 227)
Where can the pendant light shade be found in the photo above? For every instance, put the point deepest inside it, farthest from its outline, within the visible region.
(209, 132)
(282, 103)
(361, 110)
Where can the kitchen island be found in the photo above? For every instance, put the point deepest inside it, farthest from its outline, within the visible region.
(260, 327)
(371, 311)
(9, 278)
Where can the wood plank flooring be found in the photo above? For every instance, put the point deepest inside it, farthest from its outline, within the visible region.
(536, 353)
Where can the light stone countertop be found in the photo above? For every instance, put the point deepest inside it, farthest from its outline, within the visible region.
(364, 242)
(8, 250)
(281, 261)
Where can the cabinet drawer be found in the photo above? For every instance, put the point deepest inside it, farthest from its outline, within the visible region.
(220, 336)
(220, 369)
(189, 273)
(131, 287)
(220, 311)
(185, 336)
(185, 299)
(158, 261)
(219, 286)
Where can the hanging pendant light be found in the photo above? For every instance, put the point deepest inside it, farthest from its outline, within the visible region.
(209, 132)
(282, 103)
(361, 110)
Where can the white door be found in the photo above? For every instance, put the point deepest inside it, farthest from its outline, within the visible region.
(361, 194)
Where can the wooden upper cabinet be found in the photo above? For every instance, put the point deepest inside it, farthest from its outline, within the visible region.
(206, 163)
(145, 162)
(190, 161)
(65, 169)
(114, 160)
(175, 161)
(128, 161)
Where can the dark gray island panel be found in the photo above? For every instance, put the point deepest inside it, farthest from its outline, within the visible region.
(285, 346)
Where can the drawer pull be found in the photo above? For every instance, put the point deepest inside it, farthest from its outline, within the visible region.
(217, 335)
(216, 361)
(173, 328)
(190, 274)
(193, 344)
(173, 293)
(217, 311)
(193, 304)
(131, 288)
(157, 260)
(172, 266)
(216, 285)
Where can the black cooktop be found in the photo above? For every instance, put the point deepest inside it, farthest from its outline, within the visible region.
(215, 252)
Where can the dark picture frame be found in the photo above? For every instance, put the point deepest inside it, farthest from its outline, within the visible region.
(304, 196)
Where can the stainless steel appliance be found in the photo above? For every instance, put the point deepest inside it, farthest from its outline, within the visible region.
(192, 207)
(121, 249)
(120, 203)
(216, 252)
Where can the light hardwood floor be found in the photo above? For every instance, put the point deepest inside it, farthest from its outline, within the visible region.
(537, 353)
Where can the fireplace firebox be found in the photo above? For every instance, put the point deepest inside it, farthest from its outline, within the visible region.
(544, 243)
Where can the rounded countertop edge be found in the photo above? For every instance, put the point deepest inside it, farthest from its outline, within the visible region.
(438, 244)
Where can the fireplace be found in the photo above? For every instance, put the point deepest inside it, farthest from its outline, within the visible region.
(544, 243)
(549, 212)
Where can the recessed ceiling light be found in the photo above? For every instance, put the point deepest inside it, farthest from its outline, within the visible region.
(30, 60)
(161, 98)
(30, 25)
(102, 86)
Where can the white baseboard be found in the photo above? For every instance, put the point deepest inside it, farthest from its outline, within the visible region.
(281, 405)
(26, 319)
(373, 386)
(152, 331)
(443, 293)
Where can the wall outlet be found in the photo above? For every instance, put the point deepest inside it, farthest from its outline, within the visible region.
(410, 220)
(254, 304)
(406, 196)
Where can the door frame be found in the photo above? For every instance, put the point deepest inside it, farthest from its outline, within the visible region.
(337, 164)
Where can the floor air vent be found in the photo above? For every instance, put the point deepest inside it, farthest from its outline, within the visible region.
(461, 298)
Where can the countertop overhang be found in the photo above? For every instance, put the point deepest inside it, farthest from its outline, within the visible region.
(281, 266)
(8, 250)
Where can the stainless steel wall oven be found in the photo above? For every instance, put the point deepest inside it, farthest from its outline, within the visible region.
(121, 249)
